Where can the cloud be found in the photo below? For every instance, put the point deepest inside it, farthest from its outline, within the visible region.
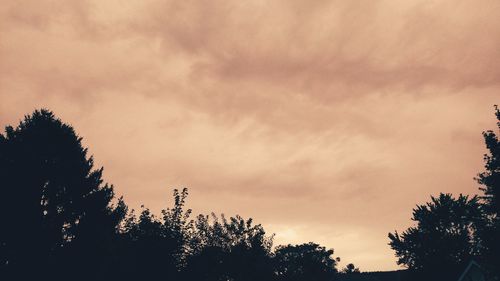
(327, 121)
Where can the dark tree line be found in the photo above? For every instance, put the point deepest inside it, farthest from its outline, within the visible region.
(452, 231)
(60, 221)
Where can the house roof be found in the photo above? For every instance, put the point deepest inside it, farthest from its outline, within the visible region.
(472, 272)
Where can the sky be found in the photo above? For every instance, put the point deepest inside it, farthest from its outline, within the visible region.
(325, 121)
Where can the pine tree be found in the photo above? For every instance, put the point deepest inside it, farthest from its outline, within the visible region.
(55, 208)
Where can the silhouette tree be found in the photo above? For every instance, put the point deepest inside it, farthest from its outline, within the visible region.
(154, 247)
(58, 222)
(148, 252)
(174, 247)
(233, 249)
(305, 262)
(178, 226)
(444, 237)
(229, 249)
(54, 206)
(350, 268)
(490, 181)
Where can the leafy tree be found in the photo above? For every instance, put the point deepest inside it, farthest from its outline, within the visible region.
(229, 249)
(490, 181)
(58, 222)
(148, 250)
(444, 237)
(152, 247)
(350, 268)
(178, 226)
(305, 262)
(54, 204)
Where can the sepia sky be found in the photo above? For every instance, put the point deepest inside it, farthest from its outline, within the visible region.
(325, 121)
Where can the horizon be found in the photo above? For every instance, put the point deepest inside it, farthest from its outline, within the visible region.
(325, 122)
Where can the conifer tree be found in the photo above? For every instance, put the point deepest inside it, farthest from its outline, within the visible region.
(55, 208)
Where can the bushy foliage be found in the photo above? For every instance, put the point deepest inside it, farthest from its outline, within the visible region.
(54, 202)
(229, 249)
(304, 262)
(452, 231)
(490, 186)
(62, 222)
(444, 236)
(490, 178)
(350, 269)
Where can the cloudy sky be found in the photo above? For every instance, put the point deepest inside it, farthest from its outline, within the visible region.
(325, 121)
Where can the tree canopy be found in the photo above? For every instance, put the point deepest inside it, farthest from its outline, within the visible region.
(61, 221)
(490, 186)
(305, 262)
(444, 236)
(452, 231)
(490, 178)
(54, 202)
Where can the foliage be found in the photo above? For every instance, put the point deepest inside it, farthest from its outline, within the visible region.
(229, 249)
(490, 179)
(59, 218)
(303, 262)
(53, 201)
(450, 232)
(61, 221)
(490, 182)
(445, 234)
(350, 268)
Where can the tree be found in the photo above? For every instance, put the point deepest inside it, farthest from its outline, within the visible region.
(60, 221)
(444, 237)
(350, 268)
(154, 247)
(490, 181)
(178, 227)
(54, 204)
(305, 262)
(148, 251)
(229, 249)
